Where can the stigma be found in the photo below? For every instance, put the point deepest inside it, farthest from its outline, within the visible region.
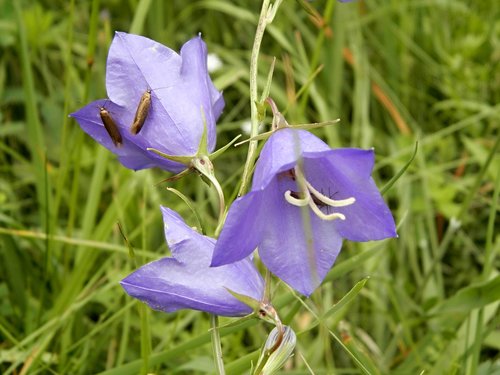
(310, 196)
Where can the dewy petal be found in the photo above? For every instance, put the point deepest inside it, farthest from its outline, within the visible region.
(345, 173)
(242, 230)
(187, 281)
(129, 154)
(297, 246)
(282, 151)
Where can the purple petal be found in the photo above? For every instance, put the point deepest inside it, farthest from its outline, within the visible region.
(243, 229)
(281, 152)
(298, 247)
(129, 154)
(346, 173)
(180, 86)
(201, 89)
(136, 63)
(187, 281)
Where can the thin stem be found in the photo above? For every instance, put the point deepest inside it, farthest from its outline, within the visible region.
(205, 167)
(216, 346)
(252, 147)
(222, 204)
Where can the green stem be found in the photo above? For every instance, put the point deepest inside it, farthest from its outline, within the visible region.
(252, 147)
(216, 346)
(222, 204)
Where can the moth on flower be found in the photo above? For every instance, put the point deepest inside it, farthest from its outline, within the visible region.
(186, 280)
(305, 199)
(158, 100)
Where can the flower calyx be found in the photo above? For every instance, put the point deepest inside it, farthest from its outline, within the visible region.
(201, 161)
(279, 122)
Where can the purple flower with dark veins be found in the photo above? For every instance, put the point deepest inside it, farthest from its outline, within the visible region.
(305, 199)
(158, 100)
(186, 280)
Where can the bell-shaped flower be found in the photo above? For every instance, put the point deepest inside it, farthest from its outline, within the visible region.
(305, 199)
(186, 280)
(159, 102)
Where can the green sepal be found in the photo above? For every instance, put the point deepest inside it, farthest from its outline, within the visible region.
(177, 176)
(188, 203)
(249, 301)
(214, 155)
(314, 125)
(203, 145)
(186, 160)
(259, 137)
(280, 125)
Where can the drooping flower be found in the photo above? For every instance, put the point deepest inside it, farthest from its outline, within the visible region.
(158, 99)
(186, 280)
(305, 199)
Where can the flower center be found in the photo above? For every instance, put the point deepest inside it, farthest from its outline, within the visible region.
(309, 196)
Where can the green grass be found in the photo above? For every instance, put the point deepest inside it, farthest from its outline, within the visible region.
(395, 72)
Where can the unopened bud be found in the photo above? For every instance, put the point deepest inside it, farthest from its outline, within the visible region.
(275, 357)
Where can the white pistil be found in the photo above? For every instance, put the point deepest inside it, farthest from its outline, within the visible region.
(299, 202)
(321, 215)
(311, 196)
(328, 201)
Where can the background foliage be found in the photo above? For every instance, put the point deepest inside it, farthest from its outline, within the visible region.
(394, 71)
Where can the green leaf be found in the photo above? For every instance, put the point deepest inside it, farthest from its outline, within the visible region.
(401, 172)
(471, 297)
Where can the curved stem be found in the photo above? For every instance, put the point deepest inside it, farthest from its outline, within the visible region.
(216, 346)
(220, 193)
(222, 204)
(252, 148)
(204, 166)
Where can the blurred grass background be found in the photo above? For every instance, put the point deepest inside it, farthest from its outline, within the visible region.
(394, 71)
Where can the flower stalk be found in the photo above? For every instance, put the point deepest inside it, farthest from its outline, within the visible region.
(216, 345)
(205, 167)
(267, 14)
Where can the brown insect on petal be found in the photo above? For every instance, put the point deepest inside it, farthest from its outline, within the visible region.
(142, 112)
(110, 126)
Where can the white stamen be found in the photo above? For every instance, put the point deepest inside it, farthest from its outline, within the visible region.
(329, 201)
(299, 202)
(310, 194)
(321, 215)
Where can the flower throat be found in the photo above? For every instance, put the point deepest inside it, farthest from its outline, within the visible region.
(309, 196)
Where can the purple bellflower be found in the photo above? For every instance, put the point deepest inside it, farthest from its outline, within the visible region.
(186, 280)
(305, 199)
(169, 97)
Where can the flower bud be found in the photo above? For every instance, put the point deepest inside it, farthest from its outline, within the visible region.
(274, 357)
